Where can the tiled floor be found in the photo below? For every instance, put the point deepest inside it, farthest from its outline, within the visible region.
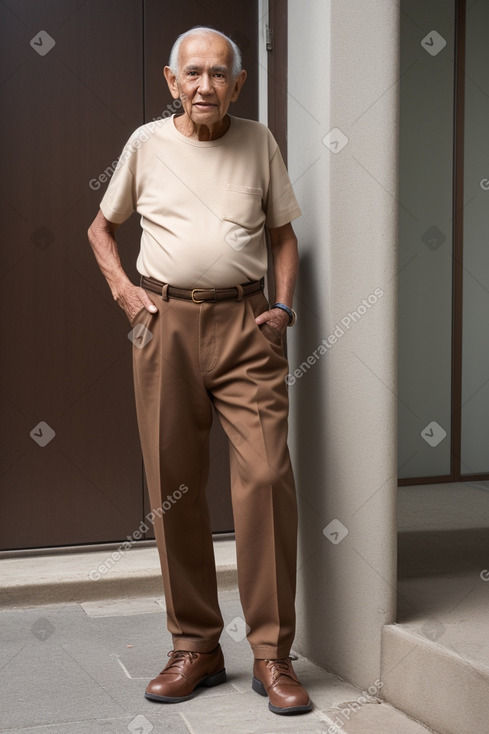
(82, 669)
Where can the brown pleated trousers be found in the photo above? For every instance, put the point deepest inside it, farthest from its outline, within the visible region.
(199, 355)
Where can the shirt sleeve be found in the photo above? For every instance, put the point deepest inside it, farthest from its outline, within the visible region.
(119, 201)
(282, 206)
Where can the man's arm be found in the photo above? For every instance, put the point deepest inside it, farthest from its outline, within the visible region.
(129, 297)
(285, 257)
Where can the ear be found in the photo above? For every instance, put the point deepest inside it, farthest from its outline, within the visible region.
(171, 80)
(238, 84)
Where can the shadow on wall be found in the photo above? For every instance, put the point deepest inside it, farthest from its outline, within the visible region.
(309, 401)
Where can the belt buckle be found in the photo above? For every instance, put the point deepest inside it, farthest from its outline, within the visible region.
(202, 290)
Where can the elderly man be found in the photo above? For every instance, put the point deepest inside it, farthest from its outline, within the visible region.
(207, 186)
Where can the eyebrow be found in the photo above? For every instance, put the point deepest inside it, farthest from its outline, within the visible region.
(195, 67)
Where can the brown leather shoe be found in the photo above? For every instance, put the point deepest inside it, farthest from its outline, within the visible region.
(185, 672)
(277, 680)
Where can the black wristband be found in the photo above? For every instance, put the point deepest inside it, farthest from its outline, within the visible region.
(289, 311)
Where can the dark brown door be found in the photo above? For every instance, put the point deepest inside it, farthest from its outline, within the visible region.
(71, 89)
(77, 78)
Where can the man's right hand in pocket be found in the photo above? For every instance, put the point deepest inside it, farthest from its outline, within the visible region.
(133, 299)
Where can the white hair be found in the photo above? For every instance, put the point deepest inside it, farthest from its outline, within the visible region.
(204, 31)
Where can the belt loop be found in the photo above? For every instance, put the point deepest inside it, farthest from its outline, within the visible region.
(239, 297)
(164, 292)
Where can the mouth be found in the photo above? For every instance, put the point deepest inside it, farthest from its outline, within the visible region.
(205, 106)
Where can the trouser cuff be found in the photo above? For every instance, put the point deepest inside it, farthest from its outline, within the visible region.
(193, 645)
(271, 652)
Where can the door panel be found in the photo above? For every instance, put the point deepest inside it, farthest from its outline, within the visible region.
(66, 360)
(475, 351)
(425, 240)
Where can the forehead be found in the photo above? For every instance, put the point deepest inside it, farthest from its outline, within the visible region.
(205, 50)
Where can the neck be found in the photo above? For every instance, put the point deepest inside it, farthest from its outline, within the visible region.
(190, 129)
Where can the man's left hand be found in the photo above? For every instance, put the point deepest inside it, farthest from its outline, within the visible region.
(276, 318)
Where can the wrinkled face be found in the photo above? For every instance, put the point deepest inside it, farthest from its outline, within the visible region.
(205, 83)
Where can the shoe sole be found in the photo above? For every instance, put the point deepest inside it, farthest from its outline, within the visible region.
(211, 680)
(258, 687)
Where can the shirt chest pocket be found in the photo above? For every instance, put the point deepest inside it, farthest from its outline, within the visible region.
(243, 206)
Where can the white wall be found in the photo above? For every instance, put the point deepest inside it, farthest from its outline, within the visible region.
(343, 73)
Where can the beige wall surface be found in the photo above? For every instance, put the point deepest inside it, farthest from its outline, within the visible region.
(343, 136)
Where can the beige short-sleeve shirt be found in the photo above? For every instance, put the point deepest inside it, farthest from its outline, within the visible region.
(204, 205)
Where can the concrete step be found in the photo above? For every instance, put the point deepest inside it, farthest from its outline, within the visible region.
(31, 580)
(433, 685)
(435, 661)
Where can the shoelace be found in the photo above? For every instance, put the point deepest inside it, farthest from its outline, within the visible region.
(180, 656)
(280, 667)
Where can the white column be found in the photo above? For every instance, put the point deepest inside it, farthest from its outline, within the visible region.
(343, 116)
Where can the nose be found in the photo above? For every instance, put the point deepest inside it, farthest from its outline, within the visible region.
(205, 85)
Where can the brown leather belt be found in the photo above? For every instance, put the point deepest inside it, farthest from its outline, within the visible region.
(199, 295)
